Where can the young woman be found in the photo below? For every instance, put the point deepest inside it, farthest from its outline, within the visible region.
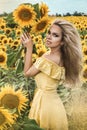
(62, 64)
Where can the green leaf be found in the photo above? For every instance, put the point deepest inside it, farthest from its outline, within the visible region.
(11, 59)
(20, 66)
(13, 56)
(31, 125)
(10, 21)
(36, 8)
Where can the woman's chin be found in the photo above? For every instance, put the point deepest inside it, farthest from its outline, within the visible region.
(47, 44)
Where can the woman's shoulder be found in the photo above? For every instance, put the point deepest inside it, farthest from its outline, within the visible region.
(50, 68)
(54, 59)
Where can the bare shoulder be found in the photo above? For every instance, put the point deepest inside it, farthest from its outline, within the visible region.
(54, 58)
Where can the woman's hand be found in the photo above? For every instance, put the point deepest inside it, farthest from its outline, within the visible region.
(26, 40)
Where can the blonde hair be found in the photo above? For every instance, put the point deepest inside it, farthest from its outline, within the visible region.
(71, 50)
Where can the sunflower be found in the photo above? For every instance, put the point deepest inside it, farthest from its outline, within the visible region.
(41, 25)
(85, 72)
(3, 58)
(2, 26)
(37, 38)
(18, 32)
(84, 49)
(3, 48)
(6, 119)
(10, 40)
(34, 57)
(85, 59)
(85, 36)
(24, 15)
(83, 42)
(0, 42)
(38, 46)
(41, 51)
(2, 36)
(14, 47)
(7, 31)
(16, 42)
(44, 9)
(12, 99)
(5, 41)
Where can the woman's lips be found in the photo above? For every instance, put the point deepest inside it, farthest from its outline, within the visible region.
(48, 41)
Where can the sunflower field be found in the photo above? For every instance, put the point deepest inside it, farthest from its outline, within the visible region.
(16, 91)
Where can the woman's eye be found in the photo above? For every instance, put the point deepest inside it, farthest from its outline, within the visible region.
(55, 35)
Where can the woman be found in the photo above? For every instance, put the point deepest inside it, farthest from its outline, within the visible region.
(62, 64)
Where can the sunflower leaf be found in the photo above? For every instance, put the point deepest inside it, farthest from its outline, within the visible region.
(36, 8)
(20, 66)
(13, 56)
(31, 124)
(11, 59)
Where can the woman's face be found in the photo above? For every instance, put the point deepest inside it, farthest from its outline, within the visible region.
(54, 36)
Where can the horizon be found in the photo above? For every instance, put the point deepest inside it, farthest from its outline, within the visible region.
(63, 6)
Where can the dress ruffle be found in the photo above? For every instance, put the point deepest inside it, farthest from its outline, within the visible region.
(50, 68)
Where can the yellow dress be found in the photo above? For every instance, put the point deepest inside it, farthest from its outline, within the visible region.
(47, 108)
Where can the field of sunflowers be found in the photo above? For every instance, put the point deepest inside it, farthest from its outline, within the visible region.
(16, 91)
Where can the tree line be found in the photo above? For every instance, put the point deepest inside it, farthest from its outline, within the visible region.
(76, 13)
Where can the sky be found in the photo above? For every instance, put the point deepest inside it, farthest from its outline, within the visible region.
(55, 6)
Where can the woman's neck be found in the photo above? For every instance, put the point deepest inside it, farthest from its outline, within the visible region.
(55, 51)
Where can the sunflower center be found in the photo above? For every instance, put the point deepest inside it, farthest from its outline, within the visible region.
(85, 73)
(2, 118)
(5, 41)
(16, 42)
(2, 37)
(86, 61)
(85, 52)
(8, 31)
(41, 25)
(2, 58)
(25, 15)
(9, 100)
(3, 48)
(2, 26)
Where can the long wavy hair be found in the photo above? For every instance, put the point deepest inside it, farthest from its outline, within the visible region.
(71, 51)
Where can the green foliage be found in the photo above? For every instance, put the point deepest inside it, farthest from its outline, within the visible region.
(82, 32)
(36, 8)
(10, 21)
(10, 76)
(14, 56)
(27, 124)
(20, 66)
(64, 93)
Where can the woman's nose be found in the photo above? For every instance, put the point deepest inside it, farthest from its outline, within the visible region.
(49, 36)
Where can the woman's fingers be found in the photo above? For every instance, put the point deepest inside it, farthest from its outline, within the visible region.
(26, 35)
(26, 40)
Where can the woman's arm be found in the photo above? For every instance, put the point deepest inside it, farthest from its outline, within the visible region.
(29, 69)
